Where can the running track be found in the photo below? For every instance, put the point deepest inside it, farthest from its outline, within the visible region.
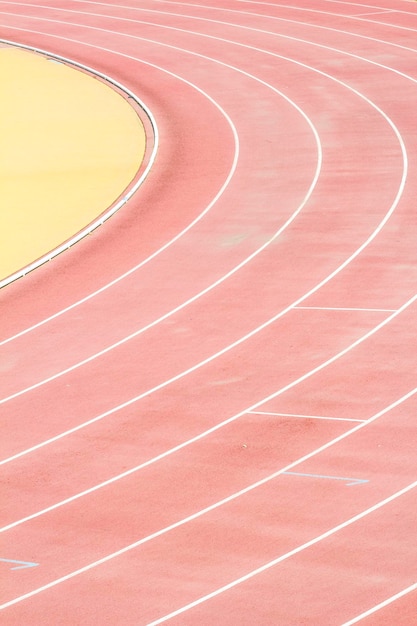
(209, 404)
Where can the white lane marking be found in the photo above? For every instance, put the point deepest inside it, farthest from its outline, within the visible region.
(194, 368)
(216, 505)
(313, 417)
(373, 13)
(270, 17)
(225, 276)
(361, 19)
(360, 249)
(339, 15)
(267, 32)
(367, 6)
(381, 605)
(213, 429)
(342, 308)
(260, 328)
(241, 26)
(182, 232)
(354, 91)
(286, 556)
(345, 16)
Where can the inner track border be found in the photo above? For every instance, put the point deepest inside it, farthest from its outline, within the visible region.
(151, 136)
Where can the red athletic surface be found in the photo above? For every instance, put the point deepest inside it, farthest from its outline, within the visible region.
(185, 393)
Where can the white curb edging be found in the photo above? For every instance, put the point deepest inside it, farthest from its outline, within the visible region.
(131, 190)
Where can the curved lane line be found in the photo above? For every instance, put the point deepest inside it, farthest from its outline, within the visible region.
(213, 8)
(213, 429)
(279, 559)
(198, 437)
(358, 251)
(225, 276)
(181, 233)
(264, 567)
(216, 21)
(381, 605)
(339, 15)
(261, 327)
(232, 24)
(308, 544)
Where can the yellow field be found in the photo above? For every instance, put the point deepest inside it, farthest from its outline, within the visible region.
(70, 145)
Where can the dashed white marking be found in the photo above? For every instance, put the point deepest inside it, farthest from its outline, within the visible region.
(342, 308)
(314, 417)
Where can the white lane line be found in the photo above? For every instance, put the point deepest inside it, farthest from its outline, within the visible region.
(358, 251)
(344, 16)
(381, 605)
(270, 17)
(360, 4)
(259, 328)
(397, 26)
(201, 364)
(338, 15)
(182, 232)
(342, 308)
(373, 13)
(232, 24)
(349, 88)
(213, 429)
(112, 283)
(352, 34)
(314, 417)
(272, 33)
(233, 270)
(285, 556)
(216, 505)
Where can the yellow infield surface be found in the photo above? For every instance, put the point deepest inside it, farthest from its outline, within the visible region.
(70, 145)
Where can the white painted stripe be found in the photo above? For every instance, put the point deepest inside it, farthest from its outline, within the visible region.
(357, 35)
(285, 556)
(278, 19)
(228, 274)
(182, 232)
(324, 281)
(186, 372)
(382, 605)
(204, 434)
(202, 363)
(281, 557)
(220, 503)
(314, 417)
(340, 308)
(360, 4)
(346, 16)
(382, 12)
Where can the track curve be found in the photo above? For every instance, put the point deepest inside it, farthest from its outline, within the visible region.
(181, 389)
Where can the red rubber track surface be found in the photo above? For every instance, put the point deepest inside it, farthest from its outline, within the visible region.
(208, 405)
